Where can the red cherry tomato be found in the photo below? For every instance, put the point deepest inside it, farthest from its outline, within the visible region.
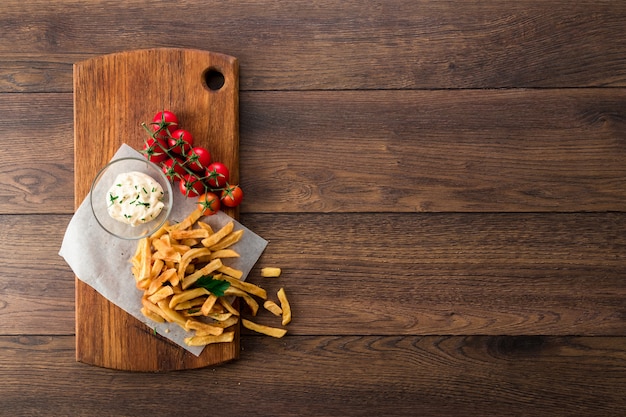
(173, 169)
(199, 158)
(181, 142)
(209, 203)
(164, 121)
(153, 151)
(232, 196)
(191, 186)
(217, 175)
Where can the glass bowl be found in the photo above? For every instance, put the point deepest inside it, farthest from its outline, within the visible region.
(100, 202)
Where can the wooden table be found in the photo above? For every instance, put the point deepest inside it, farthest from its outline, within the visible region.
(442, 182)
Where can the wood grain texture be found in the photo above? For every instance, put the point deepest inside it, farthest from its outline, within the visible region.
(113, 94)
(442, 183)
(434, 376)
(325, 44)
(36, 285)
(383, 274)
(37, 164)
(551, 150)
(435, 151)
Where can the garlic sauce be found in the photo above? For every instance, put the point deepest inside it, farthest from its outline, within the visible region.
(135, 198)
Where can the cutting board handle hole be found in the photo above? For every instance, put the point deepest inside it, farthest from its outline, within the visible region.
(213, 79)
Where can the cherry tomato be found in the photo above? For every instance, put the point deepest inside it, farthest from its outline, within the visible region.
(164, 121)
(191, 186)
(173, 169)
(181, 142)
(217, 175)
(232, 196)
(153, 151)
(209, 203)
(199, 158)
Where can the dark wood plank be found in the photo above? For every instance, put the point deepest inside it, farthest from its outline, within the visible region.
(36, 72)
(325, 375)
(36, 285)
(441, 151)
(37, 163)
(449, 274)
(385, 274)
(396, 151)
(325, 44)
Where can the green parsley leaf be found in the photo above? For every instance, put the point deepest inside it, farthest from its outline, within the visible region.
(214, 286)
(112, 198)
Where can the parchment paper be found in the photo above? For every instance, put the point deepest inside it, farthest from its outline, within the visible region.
(103, 261)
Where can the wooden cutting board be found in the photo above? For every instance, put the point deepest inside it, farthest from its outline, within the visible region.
(113, 95)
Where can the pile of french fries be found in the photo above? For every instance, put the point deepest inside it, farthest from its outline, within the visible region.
(169, 264)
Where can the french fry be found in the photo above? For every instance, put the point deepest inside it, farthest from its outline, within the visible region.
(189, 304)
(228, 306)
(260, 328)
(269, 272)
(212, 266)
(204, 327)
(145, 259)
(152, 316)
(143, 284)
(251, 302)
(165, 251)
(171, 315)
(188, 257)
(284, 304)
(162, 230)
(187, 295)
(189, 234)
(187, 222)
(223, 253)
(207, 340)
(157, 282)
(219, 235)
(273, 308)
(161, 294)
(180, 248)
(190, 242)
(206, 227)
(235, 273)
(221, 317)
(228, 240)
(157, 267)
(166, 266)
(245, 286)
(226, 323)
(153, 308)
(208, 304)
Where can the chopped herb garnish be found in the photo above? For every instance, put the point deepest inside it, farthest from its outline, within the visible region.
(112, 198)
(144, 190)
(214, 286)
(153, 189)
